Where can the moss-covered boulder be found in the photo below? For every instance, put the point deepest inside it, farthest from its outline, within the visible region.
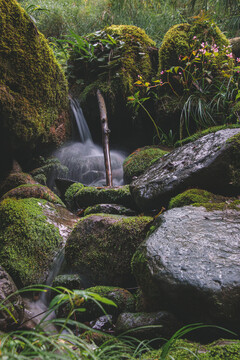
(115, 57)
(33, 191)
(137, 162)
(185, 350)
(33, 89)
(182, 39)
(90, 195)
(32, 231)
(14, 180)
(48, 170)
(101, 246)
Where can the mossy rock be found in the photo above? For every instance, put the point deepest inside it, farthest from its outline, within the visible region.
(69, 281)
(48, 171)
(101, 246)
(122, 298)
(137, 162)
(90, 195)
(14, 180)
(121, 53)
(185, 350)
(70, 193)
(195, 196)
(36, 191)
(34, 107)
(31, 233)
(178, 41)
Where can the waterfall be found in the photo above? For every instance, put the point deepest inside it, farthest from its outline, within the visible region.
(85, 159)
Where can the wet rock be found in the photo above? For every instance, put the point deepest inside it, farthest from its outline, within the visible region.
(13, 304)
(32, 232)
(109, 209)
(33, 191)
(164, 324)
(189, 265)
(211, 163)
(121, 297)
(102, 323)
(102, 246)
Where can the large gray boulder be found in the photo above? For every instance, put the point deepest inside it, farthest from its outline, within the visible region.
(190, 265)
(211, 163)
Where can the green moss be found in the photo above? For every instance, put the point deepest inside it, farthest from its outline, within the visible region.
(33, 92)
(70, 194)
(33, 191)
(137, 162)
(192, 196)
(184, 350)
(27, 241)
(175, 43)
(197, 197)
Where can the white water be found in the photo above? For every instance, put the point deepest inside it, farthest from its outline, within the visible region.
(85, 159)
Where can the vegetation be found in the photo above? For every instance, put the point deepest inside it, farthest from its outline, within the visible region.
(66, 342)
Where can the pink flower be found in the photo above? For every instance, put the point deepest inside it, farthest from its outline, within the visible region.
(202, 44)
(162, 72)
(237, 59)
(194, 38)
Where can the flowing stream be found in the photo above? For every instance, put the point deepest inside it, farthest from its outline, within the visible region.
(85, 159)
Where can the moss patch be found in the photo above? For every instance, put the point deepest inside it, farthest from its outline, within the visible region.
(70, 194)
(27, 241)
(193, 196)
(184, 350)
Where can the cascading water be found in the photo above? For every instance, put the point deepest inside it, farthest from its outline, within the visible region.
(85, 159)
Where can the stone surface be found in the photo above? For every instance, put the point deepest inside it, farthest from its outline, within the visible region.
(101, 247)
(211, 163)
(14, 304)
(190, 265)
(164, 324)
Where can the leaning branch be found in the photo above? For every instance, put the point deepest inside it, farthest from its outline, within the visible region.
(105, 137)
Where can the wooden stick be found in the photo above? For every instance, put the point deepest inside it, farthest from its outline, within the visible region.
(105, 137)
